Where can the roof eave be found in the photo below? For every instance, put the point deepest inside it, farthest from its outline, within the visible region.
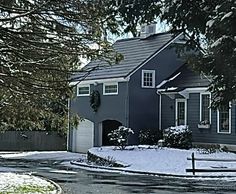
(98, 81)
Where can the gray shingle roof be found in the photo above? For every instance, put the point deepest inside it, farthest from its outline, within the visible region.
(183, 78)
(135, 52)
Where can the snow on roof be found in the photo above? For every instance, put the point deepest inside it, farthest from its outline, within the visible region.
(165, 81)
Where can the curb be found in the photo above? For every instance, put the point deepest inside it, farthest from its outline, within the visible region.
(118, 170)
(57, 186)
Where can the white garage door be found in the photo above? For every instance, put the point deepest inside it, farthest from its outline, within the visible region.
(83, 136)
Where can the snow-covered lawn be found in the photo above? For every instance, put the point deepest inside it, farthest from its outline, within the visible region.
(138, 158)
(165, 160)
(22, 183)
(10, 182)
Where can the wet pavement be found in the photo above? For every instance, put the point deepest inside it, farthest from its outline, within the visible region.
(77, 181)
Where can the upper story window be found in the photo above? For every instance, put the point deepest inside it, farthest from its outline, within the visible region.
(205, 110)
(224, 119)
(148, 78)
(110, 88)
(83, 90)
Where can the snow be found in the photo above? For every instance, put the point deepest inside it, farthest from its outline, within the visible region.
(50, 155)
(171, 88)
(9, 181)
(165, 81)
(210, 23)
(161, 84)
(219, 41)
(164, 160)
(227, 15)
(177, 129)
(142, 158)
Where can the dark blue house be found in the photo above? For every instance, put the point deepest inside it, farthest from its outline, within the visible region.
(185, 100)
(127, 90)
(151, 88)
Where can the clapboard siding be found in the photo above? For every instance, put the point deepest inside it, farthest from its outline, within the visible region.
(193, 118)
(168, 112)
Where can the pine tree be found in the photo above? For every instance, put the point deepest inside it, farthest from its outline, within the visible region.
(214, 24)
(41, 44)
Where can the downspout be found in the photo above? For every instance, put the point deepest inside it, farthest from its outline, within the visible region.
(127, 104)
(127, 109)
(68, 127)
(158, 93)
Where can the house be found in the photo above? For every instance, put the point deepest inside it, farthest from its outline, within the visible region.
(151, 88)
(127, 91)
(184, 100)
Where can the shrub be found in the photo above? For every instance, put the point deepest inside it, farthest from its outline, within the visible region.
(120, 136)
(100, 161)
(149, 137)
(208, 148)
(178, 137)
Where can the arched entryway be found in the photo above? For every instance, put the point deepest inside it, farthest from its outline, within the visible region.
(107, 127)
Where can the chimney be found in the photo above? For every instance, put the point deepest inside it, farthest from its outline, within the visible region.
(147, 30)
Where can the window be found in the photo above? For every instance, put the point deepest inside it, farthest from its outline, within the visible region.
(224, 119)
(110, 88)
(205, 111)
(143, 29)
(148, 78)
(83, 90)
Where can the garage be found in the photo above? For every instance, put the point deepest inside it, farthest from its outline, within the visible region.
(83, 136)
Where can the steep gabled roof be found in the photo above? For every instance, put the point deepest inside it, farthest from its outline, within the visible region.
(182, 78)
(136, 51)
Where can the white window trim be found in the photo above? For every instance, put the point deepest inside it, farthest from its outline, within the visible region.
(204, 93)
(176, 108)
(109, 84)
(153, 78)
(230, 123)
(81, 86)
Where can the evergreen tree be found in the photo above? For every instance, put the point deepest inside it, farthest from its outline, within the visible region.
(133, 13)
(212, 23)
(41, 44)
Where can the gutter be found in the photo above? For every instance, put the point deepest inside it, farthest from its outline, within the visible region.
(106, 80)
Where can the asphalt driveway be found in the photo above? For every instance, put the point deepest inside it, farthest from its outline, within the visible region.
(77, 181)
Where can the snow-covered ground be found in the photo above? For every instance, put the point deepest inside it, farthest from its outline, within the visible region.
(42, 155)
(18, 183)
(10, 181)
(138, 158)
(165, 160)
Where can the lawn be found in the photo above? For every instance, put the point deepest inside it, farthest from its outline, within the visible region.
(165, 160)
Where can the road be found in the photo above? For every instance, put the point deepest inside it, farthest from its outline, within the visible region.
(77, 181)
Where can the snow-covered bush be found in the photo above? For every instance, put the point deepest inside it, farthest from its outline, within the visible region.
(149, 137)
(120, 136)
(178, 137)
